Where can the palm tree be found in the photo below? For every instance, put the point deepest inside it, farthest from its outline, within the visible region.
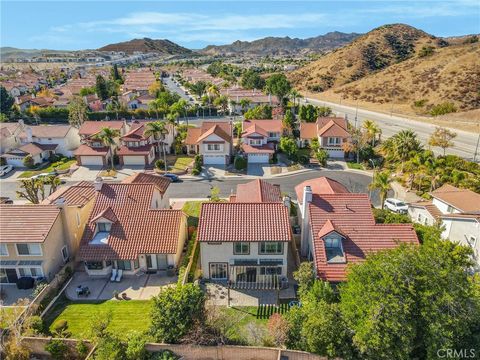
(222, 102)
(212, 93)
(155, 105)
(107, 137)
(294, 94)
(245, 103)
(371, 128)
(381, 182)
(158, 130)
(406, 145)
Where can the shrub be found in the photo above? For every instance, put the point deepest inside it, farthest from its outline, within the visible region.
(82, 349)
(426, 51)
(195, 172)
(57, 349)
(60, 328)
(3, 161)
(240, 163)
(322, 156)
(420, 103)
(38, 289)
(136, 346)
(160, 164)
(36, 324)
(277, 329)
(442, 109)
(28, 161)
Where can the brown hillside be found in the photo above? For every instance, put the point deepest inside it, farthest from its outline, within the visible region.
(450, 74)
(369, 53)
(147, 45)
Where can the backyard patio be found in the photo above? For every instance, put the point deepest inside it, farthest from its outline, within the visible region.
(142, 287)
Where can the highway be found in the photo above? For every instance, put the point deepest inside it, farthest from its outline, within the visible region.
(464, 144)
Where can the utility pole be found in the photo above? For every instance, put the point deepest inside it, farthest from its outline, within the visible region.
(356, 115)
(476, 149)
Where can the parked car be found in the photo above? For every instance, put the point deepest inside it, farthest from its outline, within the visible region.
(395, 205)
(172, 177)
(4, 170)
(5, 200)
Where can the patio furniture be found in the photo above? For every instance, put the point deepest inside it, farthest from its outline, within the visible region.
(82, 291)
(119, 275)
(114, 275)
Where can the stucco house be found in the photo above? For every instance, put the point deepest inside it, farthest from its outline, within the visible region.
(246, 241)
(129, 230)
(457, 210)
(9, 135)
(331, 133)
(93, 152)
(33, 242)
(64, 136)
(38, 152)
(136, 149)
(259, 139)
(213, 140)
(338, 228)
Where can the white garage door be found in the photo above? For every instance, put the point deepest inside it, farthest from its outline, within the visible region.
(335, 153)
(213, 159)
(15, 162)
(258, 158)
(92, 160)
(134, 160)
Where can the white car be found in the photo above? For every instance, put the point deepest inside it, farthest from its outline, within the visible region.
(39, 176)
(395, 205)
(4, 170)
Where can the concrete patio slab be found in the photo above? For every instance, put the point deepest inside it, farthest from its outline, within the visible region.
(11, 294)
(217, 294)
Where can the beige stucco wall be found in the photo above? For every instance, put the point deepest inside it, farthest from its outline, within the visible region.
(74, 230)
(225, 147)
(414, 212)
(460, 230)
(223, 252)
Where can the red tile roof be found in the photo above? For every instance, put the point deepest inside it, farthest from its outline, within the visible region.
(429, 207)
(161, 182)
(258, 191)
(36, 148)
(308, 130)
(220, 128)
(254, 129)
(192, 136)
(217, 130)
(26, 223)
(85, 150)
(230, 222)
(351, 216)
(108, 214)
(89, 128)
(462, 199)
(79, 194)
(319, 186)
(263, 149)
(135, 133)
(324, 126)
(333, 129)
(267, 125)
(139, 229)
(134, 150)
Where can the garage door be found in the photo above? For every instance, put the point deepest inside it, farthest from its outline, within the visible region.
(335, 153)
(214, 159)
(92, 160)
(258, 158)
(134, 160)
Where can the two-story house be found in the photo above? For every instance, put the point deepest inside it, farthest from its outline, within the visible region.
(457, 210)
(130, 231)
(331, 133)
(92, 152)
(10, 135)
(33, 241)
(246, 241)
(259, 139)
(136, 148)
(64, 136)
(338, 228)
(213, 140)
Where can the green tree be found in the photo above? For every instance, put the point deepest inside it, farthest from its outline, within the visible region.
(116, 74)
(381, 182)
(159, 131)
(259, 112)
(324, 111)
(304, 276)
(442, 138)
(87, 91)
(371, 130)
(28, 161)
(101, 87)
(278, 85)
(308, 113)
(222, 103)
(322, 156)
(252, 80)
(77, 112)
(415, 300)
(57, 349)
(244, 104)
(175, 310)
(107, 136)
(288, 120)
(294, 95)
(6, 101)
(288, 146)
(136, 346)
(215, 194)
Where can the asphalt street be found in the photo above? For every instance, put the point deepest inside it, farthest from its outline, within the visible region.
(168, 82)
(464, 144)
(355, 182)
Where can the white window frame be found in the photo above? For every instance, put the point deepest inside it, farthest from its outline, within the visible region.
(3, 246)
(29, 272)
(332, 141)
(217, 265)
(29, 244)
(65, 258)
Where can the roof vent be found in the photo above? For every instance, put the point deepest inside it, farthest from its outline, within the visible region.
(98, 183)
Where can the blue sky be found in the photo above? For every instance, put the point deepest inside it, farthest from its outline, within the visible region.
(195, 24)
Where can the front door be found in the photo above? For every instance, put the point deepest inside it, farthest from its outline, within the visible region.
(151, 262)
(11, 275)
(249, 275)
(162, 262)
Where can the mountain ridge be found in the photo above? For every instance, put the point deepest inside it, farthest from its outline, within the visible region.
(162, 46)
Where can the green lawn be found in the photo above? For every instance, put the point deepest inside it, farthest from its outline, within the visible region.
(244, 317)
(126, 316)
(354, 165)
(181, 163)
(64, 166)
(192, 209)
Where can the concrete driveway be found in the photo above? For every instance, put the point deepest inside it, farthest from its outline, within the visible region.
(84, 173)
(213, 171)
(258, 169)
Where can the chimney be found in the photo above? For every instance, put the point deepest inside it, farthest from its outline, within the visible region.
(307, 198)
(21, 123)
(98, 183)
(60, 202)
(287, 203)
(28, 130)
